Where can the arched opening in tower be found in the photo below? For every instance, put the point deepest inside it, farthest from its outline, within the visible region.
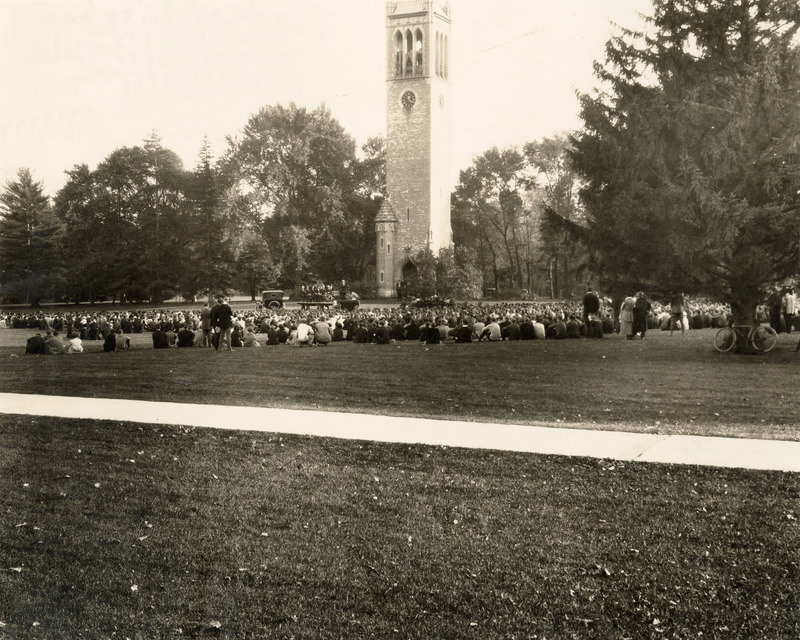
(408, 270)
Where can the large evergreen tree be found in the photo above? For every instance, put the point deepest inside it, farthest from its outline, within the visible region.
(28, 248)
(210, 253)
(691, 152)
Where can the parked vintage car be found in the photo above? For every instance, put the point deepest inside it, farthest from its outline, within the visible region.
(273, 298)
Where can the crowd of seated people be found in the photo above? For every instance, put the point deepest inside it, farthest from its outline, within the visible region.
(254, 327)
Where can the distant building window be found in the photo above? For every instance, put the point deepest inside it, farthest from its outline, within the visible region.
(409, 63)
(388, 247)
(398, 54)
(381, 243)
(381, 277)
(418, 57)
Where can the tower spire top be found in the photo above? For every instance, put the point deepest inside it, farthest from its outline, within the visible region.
(402, 7)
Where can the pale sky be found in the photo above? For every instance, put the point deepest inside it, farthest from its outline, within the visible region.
(81, 78)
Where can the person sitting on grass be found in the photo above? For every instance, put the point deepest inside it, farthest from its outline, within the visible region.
(35, 344)
(491, 331)
(282, 333)
(477, 328)
(412, 330)
(573, 327)
(53, 343)
(121, 341)
(110, 342)
(186, 336)
(172, 337)
(322, 332)
(383, 333)
(160, 339)
(511, 331)
(75, 344)
(463, 333)
(250, 339)
(305, 334)
(360, 334)
(558, 330)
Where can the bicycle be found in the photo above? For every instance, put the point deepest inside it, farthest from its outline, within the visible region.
(761, 337)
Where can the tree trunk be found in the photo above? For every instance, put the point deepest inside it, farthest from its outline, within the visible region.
(744, 300)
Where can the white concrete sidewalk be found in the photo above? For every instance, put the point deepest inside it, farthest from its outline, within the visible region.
(616, 445)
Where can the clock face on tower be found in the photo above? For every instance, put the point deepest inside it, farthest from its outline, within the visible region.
(409, 99)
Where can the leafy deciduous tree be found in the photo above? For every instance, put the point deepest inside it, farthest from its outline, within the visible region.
(488, 211)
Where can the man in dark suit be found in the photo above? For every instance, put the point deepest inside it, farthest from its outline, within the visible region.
(591, 314)
(35, 344)
(160, 340)
(382, 333)
(463, 333)
(224, 321)
(186, 336)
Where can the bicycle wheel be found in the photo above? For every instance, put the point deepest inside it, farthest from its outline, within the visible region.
(725, 339)
(764, 338)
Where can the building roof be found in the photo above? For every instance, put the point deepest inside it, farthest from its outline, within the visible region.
(386, 212)
(400, 7)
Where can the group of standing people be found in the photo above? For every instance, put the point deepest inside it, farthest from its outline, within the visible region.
(633, 314)
(217, 324)
(789, 307)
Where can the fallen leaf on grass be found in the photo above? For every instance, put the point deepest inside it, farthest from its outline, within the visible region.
(17, 569)
(214, 624)
(134, 588)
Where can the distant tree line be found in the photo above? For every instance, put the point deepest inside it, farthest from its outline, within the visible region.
(290, 199)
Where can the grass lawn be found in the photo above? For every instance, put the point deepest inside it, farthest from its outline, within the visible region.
(668, 384)
(117, 530)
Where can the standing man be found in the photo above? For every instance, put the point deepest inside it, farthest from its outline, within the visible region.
(224, 317)
(676, 312)
(641, 309)
(205, 324)
(591, 314)
(788, 307)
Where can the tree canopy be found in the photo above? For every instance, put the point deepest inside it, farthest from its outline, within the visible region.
(28, 248)
(310, 194)
(515, 214)
(289, 201)
(691, 152)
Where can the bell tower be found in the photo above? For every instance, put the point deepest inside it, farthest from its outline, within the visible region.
(418, 94)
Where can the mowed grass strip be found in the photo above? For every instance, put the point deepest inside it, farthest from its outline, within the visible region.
(666, 384)
(112, 529)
